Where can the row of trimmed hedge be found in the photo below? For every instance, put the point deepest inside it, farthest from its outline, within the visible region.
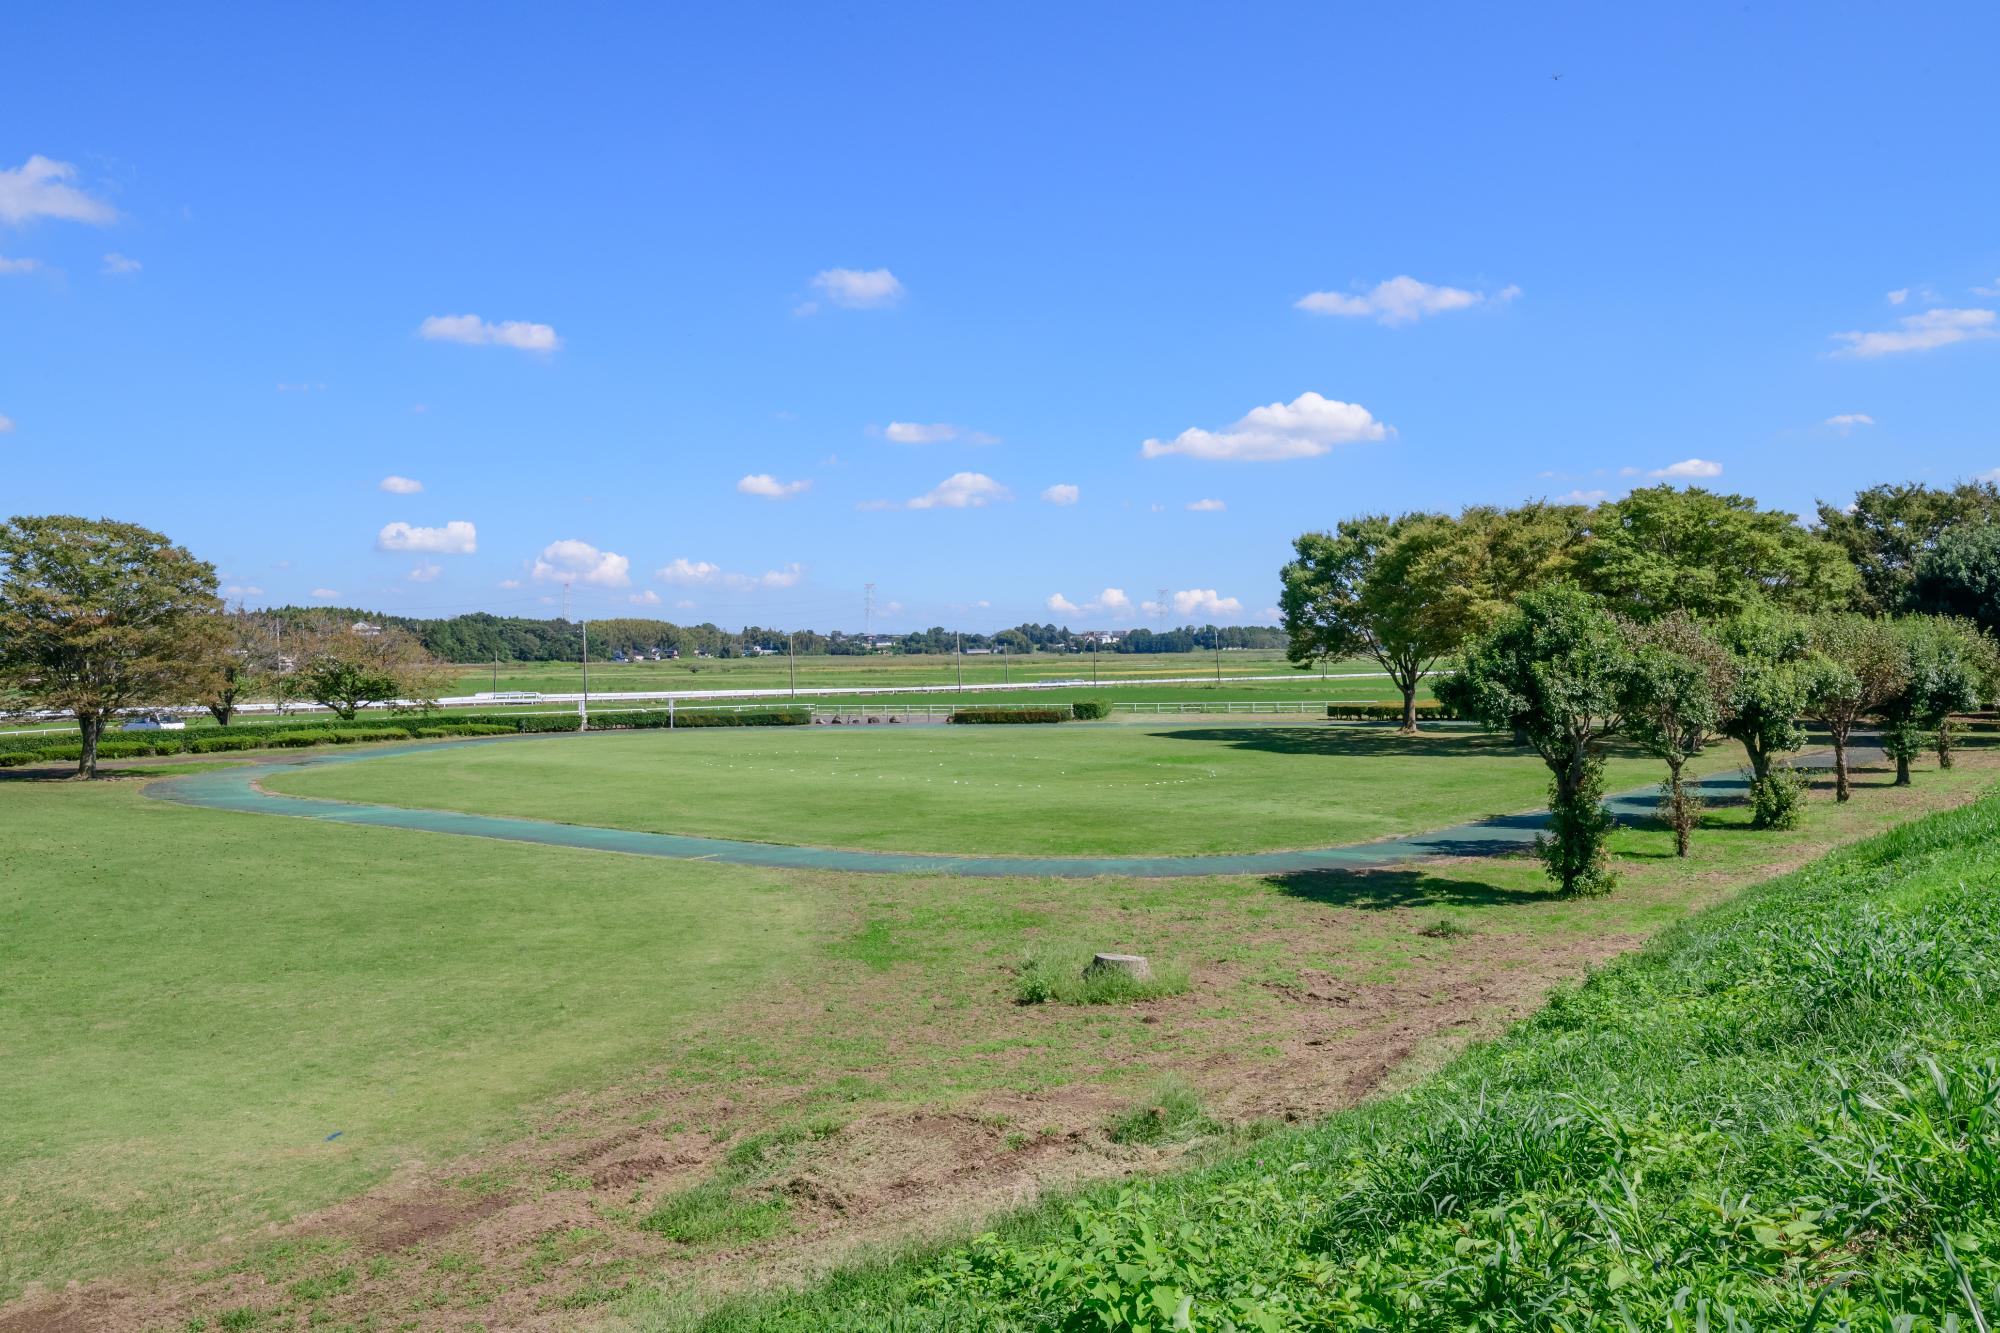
(120, 745)
(1390, 712)
(1089, 710)
(1010, 715)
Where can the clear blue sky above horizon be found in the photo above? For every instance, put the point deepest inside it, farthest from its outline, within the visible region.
(769, 303)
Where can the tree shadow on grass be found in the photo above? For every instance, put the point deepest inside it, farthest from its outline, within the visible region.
(1347, 741)
(1385, 890)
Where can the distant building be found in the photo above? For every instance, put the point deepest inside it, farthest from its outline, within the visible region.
(366, 628)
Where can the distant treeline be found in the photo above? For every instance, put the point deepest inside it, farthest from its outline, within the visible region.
(481, 637)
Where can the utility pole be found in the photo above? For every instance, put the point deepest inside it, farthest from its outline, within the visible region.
(1006, 675)
(496, 673)
(792, 659)
(1093, 659)
(868, 614)
(1216, 639)
(958, 657)
(583, 704)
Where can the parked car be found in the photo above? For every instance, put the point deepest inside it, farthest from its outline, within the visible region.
(154, 722)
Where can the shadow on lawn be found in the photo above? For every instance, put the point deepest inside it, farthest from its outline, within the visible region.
(1368, 740)
(1384, 890)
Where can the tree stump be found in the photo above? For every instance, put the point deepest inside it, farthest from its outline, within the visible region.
(1131, 964)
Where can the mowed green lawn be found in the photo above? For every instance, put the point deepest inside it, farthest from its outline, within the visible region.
(1031, 790)
(208, 1021)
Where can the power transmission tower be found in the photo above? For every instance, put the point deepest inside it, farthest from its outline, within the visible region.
(868, 614)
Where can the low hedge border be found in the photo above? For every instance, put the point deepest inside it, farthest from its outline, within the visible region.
(1389, 712)
(1090, 710)
(1009, 715)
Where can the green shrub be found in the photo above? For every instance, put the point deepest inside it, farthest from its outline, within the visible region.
(1090, 710)
(1001, 716)
(17, 759)
(1390, 712)
(1052, 973)
(1778, 799)
(1171, 1113)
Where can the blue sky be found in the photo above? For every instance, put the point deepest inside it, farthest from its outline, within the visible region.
(724, 313)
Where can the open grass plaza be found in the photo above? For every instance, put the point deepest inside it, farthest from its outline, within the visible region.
(999, 670)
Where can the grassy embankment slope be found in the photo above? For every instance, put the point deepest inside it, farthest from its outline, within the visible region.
(1784, 1114)
(1135, 788)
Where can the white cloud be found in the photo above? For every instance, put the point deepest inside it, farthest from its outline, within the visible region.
(1062, 493)
(301, 387)
(770, 488)
(683, 571)
(1688, 468)
(857, 289)
(476, 332)
(510, 583)
(455, 538)
(1847, 421)
(243, 590)
(18, 265)
(1921, 333)
(1270, 613)
(324, 594)
(1204, 601)
(118, 265)
(425, 573)
(1900, 295)
(1583, 498)
(936, 432)
(1994, 290)
(1207, 507)
(646, 598)
(399, 485)
(962, 490)
(40, 188)
(1110, 602)
(572, 561)
(1400, 300)
(6, 423)
(1307, 426)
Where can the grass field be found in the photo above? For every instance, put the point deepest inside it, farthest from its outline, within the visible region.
(1127, 788)
(612, 1082)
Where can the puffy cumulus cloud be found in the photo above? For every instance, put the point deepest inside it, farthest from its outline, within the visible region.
(768, 487)
(703, 573)
(935, 432)
(324, 594)
(425, 573)
(1110, 602)
(455, 538)
(1203, 602)
(1400, 300)
(1920, 333)
(1062, 493)
(476, 332)
(1847, 421)
(646, 598)
(963, 490)
(1206, 507)
(855, 289)
(1306, 427)
(573, 561)
(1688, 469)
(41, 188)
(118, 266)
(399, 485)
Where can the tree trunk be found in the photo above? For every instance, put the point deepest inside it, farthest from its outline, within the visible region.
(1902, 770)
(1680, 810)
(1944, 743)
(1840, 789)
(1410, 709)
(92, 726)
(222, 713)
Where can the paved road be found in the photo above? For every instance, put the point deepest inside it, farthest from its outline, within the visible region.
(237, 789)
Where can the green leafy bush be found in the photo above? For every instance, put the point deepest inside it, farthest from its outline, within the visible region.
(1778, 799)
(1003, 716)
(1390, 712)
(1171, 1113)
(1090, 710)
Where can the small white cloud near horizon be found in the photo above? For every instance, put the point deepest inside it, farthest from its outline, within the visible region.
(40, 188)
(935, 432)
(6, 423)
(1062, 493)
(510, 584)
(855, 289)
(962, 490)
(1900, 295)
(10, 266)
(768, 487)
(399, 485)
(117, 265)
(684, 572)
(1306, 427)
(323, 593)
(1920, 333)
(573, 561)
(1688, 468)
(1583, 497)
(1400, 300)
(1205, 601)
(476, 332)
(1847, 421)
(425, 573)
(1110, 602)
(455, 538)
(243, 590)
(1206, 507)
(646, 598)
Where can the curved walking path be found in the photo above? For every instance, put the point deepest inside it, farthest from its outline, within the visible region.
(237, 788)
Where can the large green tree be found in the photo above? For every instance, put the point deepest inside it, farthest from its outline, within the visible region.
(1889, 529)
(1674, 699)
(1401, 590)
(1960, 576)
(347, 667)
(1662, 549)
(1944, 665)
(1764, 705)
(98, 616)
(1854, 666)
(1555, 670)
